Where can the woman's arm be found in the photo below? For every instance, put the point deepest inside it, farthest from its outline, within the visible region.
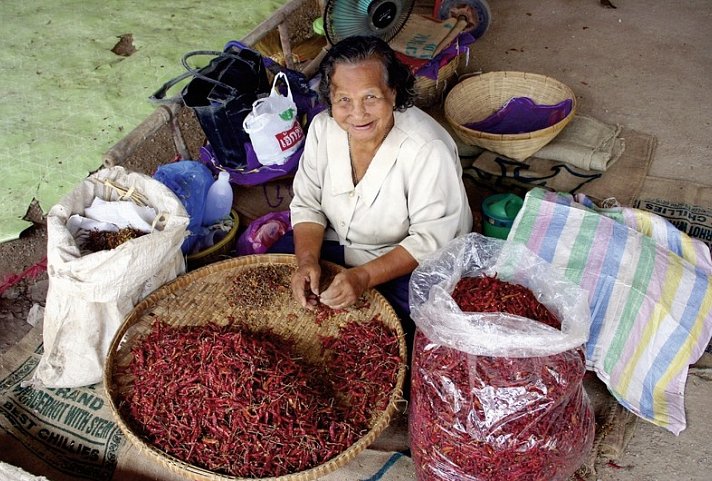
(438, 208)
(307, 217)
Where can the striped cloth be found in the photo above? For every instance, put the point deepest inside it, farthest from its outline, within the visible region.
(650, 295)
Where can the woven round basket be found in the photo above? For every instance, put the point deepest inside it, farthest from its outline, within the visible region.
(428, 91)
(218, 251)
(476, 98)
(207, 295)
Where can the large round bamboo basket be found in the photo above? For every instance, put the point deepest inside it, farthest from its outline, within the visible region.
(206, 295)
(475, 98)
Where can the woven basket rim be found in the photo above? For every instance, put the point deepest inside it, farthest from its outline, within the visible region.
(222, 243)
(378, 425)
(444, 71)
(428, 91)
(552, 129)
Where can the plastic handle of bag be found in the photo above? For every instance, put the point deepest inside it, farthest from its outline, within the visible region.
(217, 53)
(158, 97)
(253, 123)
(282, 75)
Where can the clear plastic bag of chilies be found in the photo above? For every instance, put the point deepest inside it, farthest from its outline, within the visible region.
(494, 396)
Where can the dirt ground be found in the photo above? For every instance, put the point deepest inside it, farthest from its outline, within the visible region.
(16, 302)
(628, 64)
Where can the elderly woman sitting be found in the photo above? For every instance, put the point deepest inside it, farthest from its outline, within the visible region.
(379, 185)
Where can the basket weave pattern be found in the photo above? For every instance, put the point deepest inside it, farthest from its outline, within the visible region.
(221, 250)
(475, 98)
(206, 295)
(428, 91)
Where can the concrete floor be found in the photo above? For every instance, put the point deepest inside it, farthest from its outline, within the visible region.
(646, 66)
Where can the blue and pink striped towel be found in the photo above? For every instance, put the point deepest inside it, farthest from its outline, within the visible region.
(650, 295)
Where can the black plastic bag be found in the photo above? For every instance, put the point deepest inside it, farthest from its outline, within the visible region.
(221, 95)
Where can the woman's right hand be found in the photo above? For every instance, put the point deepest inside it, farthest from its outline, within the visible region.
(305, 284)
(308, 237)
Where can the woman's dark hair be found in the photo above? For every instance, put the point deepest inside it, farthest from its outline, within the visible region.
(356, 49)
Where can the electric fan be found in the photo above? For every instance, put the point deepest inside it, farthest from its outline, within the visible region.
(380, 18)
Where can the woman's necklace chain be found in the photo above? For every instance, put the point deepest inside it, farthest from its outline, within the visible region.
(354, 177)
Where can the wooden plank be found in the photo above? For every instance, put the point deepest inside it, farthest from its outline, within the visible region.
(281, 15)
(128, 145)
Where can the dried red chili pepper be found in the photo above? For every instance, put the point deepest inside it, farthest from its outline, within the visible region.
(363, 362)
(486, 418)
(246, 404)
(489, 294)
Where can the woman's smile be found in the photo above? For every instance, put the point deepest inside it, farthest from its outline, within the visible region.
(362, 126)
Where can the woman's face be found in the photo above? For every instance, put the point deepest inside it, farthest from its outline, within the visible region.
(361, 102)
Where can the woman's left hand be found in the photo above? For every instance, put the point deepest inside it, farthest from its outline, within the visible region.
(345, 289)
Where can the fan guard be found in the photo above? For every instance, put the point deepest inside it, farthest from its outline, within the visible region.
(380, 18)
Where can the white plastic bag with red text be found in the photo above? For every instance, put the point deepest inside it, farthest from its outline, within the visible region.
(273, 126)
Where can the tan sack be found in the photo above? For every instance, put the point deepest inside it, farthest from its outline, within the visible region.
(89, 295)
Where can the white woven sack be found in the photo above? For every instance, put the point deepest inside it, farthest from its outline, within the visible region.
(89, 296)
(273, 126)
(8, 472)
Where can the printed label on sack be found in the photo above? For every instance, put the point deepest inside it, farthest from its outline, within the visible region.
(693, 220)
(71, 430)
(290, 138)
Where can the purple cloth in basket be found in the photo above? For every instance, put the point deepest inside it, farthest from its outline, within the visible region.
(459, 45)
(522, 114)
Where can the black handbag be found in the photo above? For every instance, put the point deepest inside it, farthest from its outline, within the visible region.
(221, 95)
